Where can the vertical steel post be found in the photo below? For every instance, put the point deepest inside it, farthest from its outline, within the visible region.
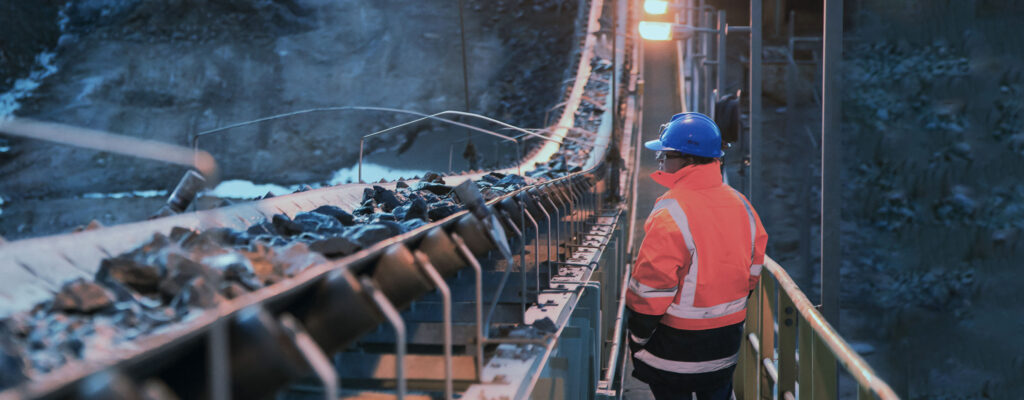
(218, 360)
(360, 173)
(778, 16)
(754, 149)
(805, 358)
(720, 74)
(615, 67)
(707, 18)
(698, 50)
(831, 188)
(766, 334)
(787, 345)
(465, 70)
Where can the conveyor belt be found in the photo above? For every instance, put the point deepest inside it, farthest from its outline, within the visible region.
(253, 344)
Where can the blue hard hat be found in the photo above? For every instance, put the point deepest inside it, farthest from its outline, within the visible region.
(690, 133)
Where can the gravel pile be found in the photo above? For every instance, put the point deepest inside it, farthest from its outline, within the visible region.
(164, 280)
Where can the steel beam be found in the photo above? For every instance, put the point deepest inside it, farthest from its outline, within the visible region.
(831, 188)
(754, 149)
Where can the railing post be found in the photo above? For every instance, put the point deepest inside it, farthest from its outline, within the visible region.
(787, 345)
(747, 366)
(806, 356)
(766, 347)
(823, 371)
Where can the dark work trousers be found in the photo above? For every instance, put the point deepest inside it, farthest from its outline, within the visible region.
(673, 393)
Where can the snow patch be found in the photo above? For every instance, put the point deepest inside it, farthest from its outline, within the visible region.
(89, 85)
(373, 173)
(9, 101)
(121, 195)
(242, 189)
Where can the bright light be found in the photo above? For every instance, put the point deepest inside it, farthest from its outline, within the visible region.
(655, 30)
(655, 7)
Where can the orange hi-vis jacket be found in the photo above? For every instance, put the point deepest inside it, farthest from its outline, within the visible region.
(702, 253)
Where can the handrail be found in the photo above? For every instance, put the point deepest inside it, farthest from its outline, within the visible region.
(815, 334)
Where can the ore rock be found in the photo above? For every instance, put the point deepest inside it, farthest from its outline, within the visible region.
(412, 224)
(435, 188)
(417, 208)
(123, 293)
(511, 180)
(82, 296)
(46, 361)
(345, 218)
(220, 235)
(181, 271)
(335, 246)
(285, 226)
(72, 346)
(431, 198)
(197, 292)
(490, 179)
(383, 216)
(443, 211)
(125, 270)
(432, 177)
(316, 222)
(211, 241)
(385, 198)
(370, 234)
(545, 325)
(128, 314)
(233, 290)
(262, 265)
(540, 171)
(180, 233)
(235, 268)
(401, 185)
(312, 237)
(260, 229)
(12, 365)
(295, 258)
(364, 210)
(367, 195)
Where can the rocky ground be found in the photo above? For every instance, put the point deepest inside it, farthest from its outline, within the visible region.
(931, 203)
(165, 70)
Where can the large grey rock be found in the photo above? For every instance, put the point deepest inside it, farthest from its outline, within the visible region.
(335, 246)
(345, 218)
(82, 296)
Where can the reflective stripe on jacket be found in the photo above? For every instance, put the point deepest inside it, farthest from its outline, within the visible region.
(701, 255)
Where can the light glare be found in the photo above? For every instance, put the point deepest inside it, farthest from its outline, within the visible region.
(655, 7)
(655, 30)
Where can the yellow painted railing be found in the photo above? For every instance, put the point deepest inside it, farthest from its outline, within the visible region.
(809, 350)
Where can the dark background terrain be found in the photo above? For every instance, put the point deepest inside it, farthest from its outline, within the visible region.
(164, 70)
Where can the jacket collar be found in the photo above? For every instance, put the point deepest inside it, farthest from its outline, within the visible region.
(691, 177)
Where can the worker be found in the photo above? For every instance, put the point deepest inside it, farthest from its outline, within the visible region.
(700, 259)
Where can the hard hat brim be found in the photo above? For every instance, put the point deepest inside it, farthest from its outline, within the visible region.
(657, 146)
